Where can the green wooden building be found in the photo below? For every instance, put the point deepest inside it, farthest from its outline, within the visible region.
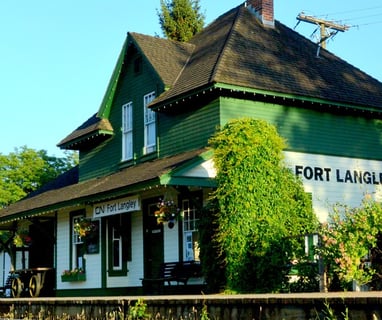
(148, 142)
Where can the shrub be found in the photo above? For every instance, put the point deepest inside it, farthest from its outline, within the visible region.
(350, 246)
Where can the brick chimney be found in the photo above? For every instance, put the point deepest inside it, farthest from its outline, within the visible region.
(263, 9)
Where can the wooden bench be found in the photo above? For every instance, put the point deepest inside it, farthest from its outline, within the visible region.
(179, 272)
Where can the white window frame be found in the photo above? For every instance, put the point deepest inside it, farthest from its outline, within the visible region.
(190, 230)
(77, 244)
(116, 238)
(76, 239)
(127, 131)
(149, 125)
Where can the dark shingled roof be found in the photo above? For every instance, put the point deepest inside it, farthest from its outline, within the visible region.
(90, 128)
(236, 49)
(66, 190)
(168, 57)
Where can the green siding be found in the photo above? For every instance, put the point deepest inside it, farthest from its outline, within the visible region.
(313, 131)
(187, 131)
(305, 130)
(92, 164)
(106, 158)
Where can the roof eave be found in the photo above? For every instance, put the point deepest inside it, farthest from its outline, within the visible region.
(90, 138)
(81, 201)
(222, 89)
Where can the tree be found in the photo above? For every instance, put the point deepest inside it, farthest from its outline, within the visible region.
(25, 170)
(262, 209)
(180, 20)
(349, 238)
(21, 172)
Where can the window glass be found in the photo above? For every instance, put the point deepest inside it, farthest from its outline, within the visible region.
(78, 246)
(190, 232)
(119, 244)
(127, 131)
(150, 124)
(117, 248)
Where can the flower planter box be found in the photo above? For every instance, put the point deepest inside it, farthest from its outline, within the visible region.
(73, 277)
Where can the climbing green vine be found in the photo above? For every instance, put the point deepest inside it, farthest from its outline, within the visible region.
(263, 210)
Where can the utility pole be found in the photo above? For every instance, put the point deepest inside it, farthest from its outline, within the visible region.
(328, 28)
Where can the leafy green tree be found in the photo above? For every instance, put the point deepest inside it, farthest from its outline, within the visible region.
(25, 170)
(180, 20)
(349, 238)
(263, 211)
(21, 172)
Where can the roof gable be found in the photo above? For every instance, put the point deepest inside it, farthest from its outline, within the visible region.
(167, 57)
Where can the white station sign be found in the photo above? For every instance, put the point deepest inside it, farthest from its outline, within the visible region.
(116, 206)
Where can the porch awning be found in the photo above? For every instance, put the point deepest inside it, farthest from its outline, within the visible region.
(174, 170)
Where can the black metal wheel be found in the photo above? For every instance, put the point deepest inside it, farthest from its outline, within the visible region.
(17, 287)
(34, 286)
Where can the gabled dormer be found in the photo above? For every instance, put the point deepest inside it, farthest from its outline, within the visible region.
(124, 131)
(90, 134)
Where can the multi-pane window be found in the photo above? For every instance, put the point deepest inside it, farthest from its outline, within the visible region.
(77, 246)
(127, 131)
(117, 248)
(119, 244)
(150, 124)
(190, 231)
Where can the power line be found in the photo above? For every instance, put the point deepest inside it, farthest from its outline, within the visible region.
(349, 11)
(363, 17)
(365, 24)
(351, 20)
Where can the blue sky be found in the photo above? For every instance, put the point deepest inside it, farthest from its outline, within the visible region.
(56, 57)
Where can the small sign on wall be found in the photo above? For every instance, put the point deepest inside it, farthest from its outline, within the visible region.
(92, 242)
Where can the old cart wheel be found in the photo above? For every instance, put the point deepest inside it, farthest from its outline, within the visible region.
(34, 286)
(17, 287)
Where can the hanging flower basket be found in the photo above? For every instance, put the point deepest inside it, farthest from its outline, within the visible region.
(167, 212)
(86, 228)
(22, 237)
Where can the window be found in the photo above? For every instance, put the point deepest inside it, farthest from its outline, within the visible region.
(138, 65)
(190, 231)
(116, 248)
(78, 245)
(150, 124)
(311, 243)
(127, 131)
(119, 244)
